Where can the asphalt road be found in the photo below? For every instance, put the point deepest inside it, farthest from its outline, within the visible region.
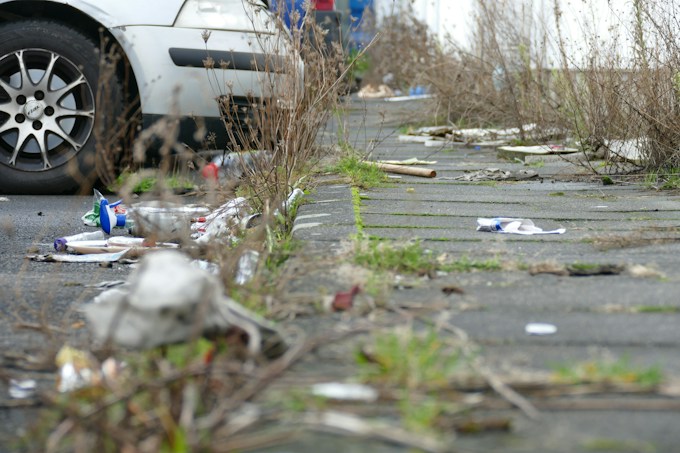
(40, 294)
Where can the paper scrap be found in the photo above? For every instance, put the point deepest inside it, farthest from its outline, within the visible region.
(411, 161)
(90, 258)
(508, 225)
(540, 328)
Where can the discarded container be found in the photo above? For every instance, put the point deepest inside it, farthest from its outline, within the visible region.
(247, 266)
(166, 221)
(345, 392)
(539, 328)
(234, 165)
(22, 389)
(109, 219)
(509, 225)
(221, 221)
(344, 300)
(77, 369)
(60, 243)
(92, 217)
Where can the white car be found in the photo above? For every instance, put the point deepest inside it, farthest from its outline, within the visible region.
(52, 95)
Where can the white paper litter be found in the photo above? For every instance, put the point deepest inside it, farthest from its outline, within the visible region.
(540, 328)
(508, 225)
(347, 392)
(90, 258)
(22, 389)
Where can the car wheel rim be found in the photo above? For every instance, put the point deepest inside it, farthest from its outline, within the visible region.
(46, 110)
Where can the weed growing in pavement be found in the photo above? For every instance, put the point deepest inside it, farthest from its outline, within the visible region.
(656, 309)
(383, 255)
(620, 445)
(176, 183)
(666, 180)
(465, 264)
(360, 174)
(420, 413)
(607, 371)
(356, 207)
(535, 164)
(386, 256)
(410, 360)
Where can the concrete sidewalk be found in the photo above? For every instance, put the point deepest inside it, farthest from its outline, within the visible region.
(618, 315)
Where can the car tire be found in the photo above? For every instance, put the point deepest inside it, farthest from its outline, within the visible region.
(49, 108)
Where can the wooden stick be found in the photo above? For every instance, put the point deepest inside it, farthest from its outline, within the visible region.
(404, 169)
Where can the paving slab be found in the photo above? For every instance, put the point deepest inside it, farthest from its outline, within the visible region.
(620, 315)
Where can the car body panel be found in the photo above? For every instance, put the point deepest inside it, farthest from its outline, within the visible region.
(183, 90)
(119, 13)
(148, 30)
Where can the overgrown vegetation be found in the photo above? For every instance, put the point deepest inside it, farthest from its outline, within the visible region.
(386, 256)
(608, 371)
(614, 93)
(185, 397)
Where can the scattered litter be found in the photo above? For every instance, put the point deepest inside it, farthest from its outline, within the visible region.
(220, 223)
(344, 300)
(631, 150)
(89, 258)
(23, 389)
(413, 139)
(522, 151)
(136, 246)
(247, 266)
(414, 97)
(508, 225)
(640, 271)
(435, 143)
(107, 284)
(345, 392)
(434, 131)
(435, 136)
(109, 218)
(234, 165)
(93, 218)
(77, 369)
(60, 243)
(164, 221)
(405, 170)
(204, 265)
(496, 174)
(411, 161)
(539, 328)
(3, 199)
(291, 200)
(372, 92)
(169, 300)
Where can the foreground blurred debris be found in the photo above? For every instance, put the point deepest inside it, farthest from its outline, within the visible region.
(232, 166)
(168, 301)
